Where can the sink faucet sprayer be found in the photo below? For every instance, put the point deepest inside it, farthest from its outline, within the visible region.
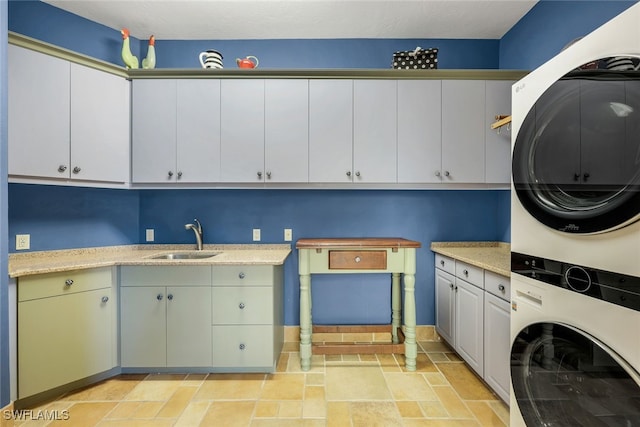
(197, 229)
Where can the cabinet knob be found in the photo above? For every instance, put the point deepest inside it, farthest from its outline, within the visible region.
(159, 297)
(242, 346)
(170, 297)
(456, 288)
(62, 168)
(169, 174)
(76, 169)
(446, 173)
(68, 282)
(241, 306)
(576, 176)
(357, 173)
(357, 259)
(268, 174)
(442, 262)
(349, 173)
(465, 272)
(437, 173)
(586, 176)
(179, 174)
(451, 285)
(259, 175)
(105, 299)
(501, 288)
(241, 275)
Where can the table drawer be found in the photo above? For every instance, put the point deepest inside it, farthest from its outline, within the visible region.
(242, 305)
(357, 260)
(62, 283)
(470, 273)
(243, 346)
(498, 285)
(445, 263)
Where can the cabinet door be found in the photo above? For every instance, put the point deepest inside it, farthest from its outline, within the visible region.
(143, 338)
(153, 133)
(330, 131)
(198, 131)
(243, 346)
(63, 339)
(189, 326)
(463, 130)
(99, 125)
(445, 306)
(242, 130)
(419, 131)
(497, 344)
(38, 114)
(374, 131)
(286, 130)
(469, 324)
(497, 142)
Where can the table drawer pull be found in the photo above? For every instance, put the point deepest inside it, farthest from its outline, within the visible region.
(357, 260)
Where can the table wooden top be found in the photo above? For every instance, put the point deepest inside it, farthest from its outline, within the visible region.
(357, 242)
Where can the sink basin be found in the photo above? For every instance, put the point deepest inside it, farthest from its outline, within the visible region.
(185, 255)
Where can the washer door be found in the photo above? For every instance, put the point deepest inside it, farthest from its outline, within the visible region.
(576, 158)
(564, 377)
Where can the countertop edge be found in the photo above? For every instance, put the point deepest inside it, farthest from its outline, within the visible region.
(490, 256)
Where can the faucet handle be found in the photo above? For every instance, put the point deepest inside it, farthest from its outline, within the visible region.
(198, 224)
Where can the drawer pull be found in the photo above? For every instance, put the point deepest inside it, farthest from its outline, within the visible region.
(68, 282)
(501, 288)
(357, 259)
(241, 275)
(105, 299)
(159, 297)
(241, 306)
(241, 346)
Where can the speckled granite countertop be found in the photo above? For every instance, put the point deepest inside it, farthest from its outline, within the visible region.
(24, 264)
(492, 256)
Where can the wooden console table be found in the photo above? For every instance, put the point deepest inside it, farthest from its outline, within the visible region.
(394, 256)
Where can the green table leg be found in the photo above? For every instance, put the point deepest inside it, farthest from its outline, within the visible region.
(396, 304)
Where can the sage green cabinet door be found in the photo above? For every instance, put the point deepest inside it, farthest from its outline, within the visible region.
(38, 112)
(419, 131)
(497, 141)
(242, 130)
(463, 131)
(189, 326)
(143, 337)
(330, 131)
(64, 338)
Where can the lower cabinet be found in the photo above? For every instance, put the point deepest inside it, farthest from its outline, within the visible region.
(66, 328)
(472, 315)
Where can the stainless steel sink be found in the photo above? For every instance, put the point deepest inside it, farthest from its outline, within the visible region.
(185, 255)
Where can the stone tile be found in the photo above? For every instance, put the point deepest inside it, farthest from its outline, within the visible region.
(266, 409)
(229, 414)
(147, 409)
(158, 422)
(409, 410)
(435, 378)
(292, 334)
(194, 380)
(452, 403)
(338, 414)
(177, 403)
(438, 357)
(290, 409)
(425, 333)
(388, 363)
(485, 415)
(433, 409)
(409, 387)
(156, 387)
(283, 362)
(375, 414)
(193, 414)
(291, 347)
(263, 422)
(230, 387)
(85, 414)
(112, 389)
(440, 423)
(124, 409)
(368, 358)
(500, 408)
(286, 386)
(465, 382)
(423, 364)
(314, 404)
(453, 357)
(314, 379)
(435, 346)
(356, 383)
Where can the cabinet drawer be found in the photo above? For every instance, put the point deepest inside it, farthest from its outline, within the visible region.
(445, 263)
(243, 275)
(169, 275)
(471, 274)
(67, 282)
(498, 285)
(243, 346)
(242, 305)
(358, 260)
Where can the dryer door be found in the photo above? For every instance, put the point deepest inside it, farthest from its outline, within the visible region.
(576, 158)
(561, 376)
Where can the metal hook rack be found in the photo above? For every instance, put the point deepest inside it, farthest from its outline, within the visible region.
(500, 122)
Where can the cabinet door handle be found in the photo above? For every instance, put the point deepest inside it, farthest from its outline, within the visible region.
(501, 288)
(170, 297)
(241, 275)
(68, 282)
(76, 170)
(159, 297)
(62, 168)
(241, 306)
(105, 299)
(242, 346)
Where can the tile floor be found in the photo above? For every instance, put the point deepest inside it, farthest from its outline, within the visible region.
(344, 390)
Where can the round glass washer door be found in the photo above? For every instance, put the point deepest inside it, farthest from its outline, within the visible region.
(562, 377)
(576, 158)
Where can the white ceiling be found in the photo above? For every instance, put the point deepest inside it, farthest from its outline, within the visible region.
(303, 19)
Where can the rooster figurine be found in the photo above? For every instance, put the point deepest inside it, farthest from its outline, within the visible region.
(129, 59)
(150, 61)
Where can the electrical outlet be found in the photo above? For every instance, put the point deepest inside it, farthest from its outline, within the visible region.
(23, 242)
(288, 234)
(150, 235)
(256, 234)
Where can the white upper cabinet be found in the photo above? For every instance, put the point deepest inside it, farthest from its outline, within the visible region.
(286, 132)
(463, 131)
(330, 131)
(73, 124)
(242, 130)
(419, 131)
(374, 131)
(497, 141)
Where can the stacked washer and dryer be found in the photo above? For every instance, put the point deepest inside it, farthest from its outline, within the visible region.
(575, 210)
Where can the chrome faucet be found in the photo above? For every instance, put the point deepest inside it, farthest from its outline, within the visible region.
(197, 229)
